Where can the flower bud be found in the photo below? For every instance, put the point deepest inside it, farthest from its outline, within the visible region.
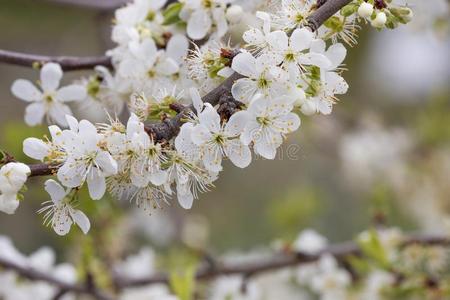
(234, 13)
(379, 20)
(365, 10)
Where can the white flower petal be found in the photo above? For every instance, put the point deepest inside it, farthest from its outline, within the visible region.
(199, 24)
(238, 153)
(51, 75)
(236, 124)
(72, 92)
(81, 220)
(55, 190)
(245, 64)
(96, 185)
(243, 90)
(301, 39)
(25, 90)
(35, 148)
(34, 113)
(278, 40)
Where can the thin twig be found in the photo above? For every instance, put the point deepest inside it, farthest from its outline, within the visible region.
(67, 63)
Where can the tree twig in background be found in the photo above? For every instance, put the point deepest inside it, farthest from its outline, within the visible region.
(35, 275)
(278, 261)
(68, 63)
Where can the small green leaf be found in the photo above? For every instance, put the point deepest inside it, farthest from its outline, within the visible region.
(171, 14)
(183, 283)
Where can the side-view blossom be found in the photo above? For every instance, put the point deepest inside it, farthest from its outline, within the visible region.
(49, 100)
(12, 178)
(269, 122)
(60, 212)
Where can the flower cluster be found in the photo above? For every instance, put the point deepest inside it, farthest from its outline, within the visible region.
(284, 70)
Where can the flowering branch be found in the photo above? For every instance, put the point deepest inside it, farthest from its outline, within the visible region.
(170, 127)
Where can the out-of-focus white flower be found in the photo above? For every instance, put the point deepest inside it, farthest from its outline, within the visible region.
(137, 266)
(310, 242)
(153, 292)
(230, 287)
(60, 212)
(331, 282)
(375, 283)
(48, 101)
(12, 178)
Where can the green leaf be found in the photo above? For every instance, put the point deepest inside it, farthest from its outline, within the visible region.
(171, 14)
(373, 249)
(183, 283)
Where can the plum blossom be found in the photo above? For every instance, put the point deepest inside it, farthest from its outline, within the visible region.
(293, 13)
(86, 159)
(203, 15)
(50, 100)
(262, 74)
(269, 121)
(291, 51)
(12, 178)
(216, 140)
(60, 212)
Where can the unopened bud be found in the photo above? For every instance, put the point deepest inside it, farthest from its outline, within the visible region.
(365, 10)
(379, 20)
(234, 13)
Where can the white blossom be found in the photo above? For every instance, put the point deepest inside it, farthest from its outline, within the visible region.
(49, 100)
(270, 121)
(86, 160)
(216, 140)
(60, 212)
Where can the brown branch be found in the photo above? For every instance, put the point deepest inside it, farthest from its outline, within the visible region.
(67, 63)
(35, 275)
(279, 261)
(93, 4)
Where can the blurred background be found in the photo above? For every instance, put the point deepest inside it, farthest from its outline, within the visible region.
(382, 156)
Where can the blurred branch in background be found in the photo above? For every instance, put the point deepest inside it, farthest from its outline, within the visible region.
(67, 62)
(93, 4)
(248, 269)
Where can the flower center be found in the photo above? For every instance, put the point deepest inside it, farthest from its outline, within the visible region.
(264, 121)
(207, 3)
(263, 83)
(219, 139)
(290, 56)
